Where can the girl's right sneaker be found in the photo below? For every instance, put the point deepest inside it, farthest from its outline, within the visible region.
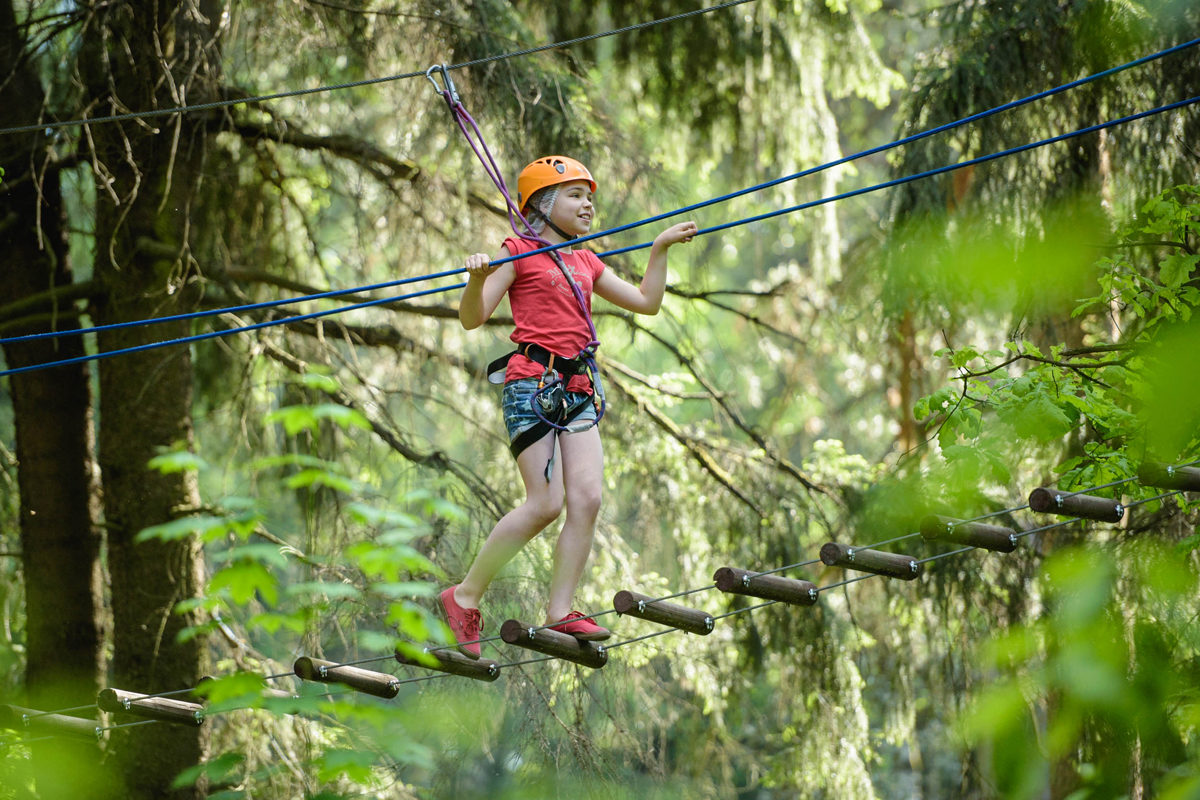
(581, 627)
(465, 623)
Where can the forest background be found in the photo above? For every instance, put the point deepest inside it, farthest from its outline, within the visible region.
(837, 373)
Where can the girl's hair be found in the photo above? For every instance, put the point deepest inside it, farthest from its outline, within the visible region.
(537, 211)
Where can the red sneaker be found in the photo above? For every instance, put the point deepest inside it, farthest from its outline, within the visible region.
(465, 623)
(581, 627)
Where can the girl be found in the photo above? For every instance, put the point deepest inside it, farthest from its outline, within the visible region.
(551, 330)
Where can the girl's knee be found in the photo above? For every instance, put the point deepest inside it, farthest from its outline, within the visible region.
(544, 510)
(585, 503)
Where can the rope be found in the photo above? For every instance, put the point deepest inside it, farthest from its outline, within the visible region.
(685, 209)
(262, 98)
(226, 332)
(193, 315)
(746, 221)
(467, 125)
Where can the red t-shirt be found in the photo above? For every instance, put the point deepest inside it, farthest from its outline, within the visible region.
(545, 310)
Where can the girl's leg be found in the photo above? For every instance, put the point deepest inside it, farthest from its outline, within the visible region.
(582, 468)
(543, 503)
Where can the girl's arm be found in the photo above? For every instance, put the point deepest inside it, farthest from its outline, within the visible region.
(647, 297)
(486, 285)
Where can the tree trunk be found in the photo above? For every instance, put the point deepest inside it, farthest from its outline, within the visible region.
(148, 55)
(60, 538)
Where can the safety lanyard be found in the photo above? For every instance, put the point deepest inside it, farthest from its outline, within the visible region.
(468, 126)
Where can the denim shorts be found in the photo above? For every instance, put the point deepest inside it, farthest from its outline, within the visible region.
(518, 412)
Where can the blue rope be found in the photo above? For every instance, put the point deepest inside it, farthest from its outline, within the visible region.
(114, 326)
(746, 221)
(228, 331)
(628, 226)
(930, 172)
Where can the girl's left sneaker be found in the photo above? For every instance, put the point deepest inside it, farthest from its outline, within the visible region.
(579, 626)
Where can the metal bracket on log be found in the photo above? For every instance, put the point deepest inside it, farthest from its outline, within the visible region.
(643, 607)
(890, 565)
(975, 534)
(379, 684)
(554, 643)
(768, 587)
(1072, 504)
(1165, 476)
(29, 719)
(455, 663)
(164, 709)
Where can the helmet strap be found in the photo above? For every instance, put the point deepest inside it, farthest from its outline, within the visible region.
(566, 236)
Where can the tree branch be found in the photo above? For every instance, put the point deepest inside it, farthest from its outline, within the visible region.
(52, 297)
(434, 459)
(701, 456)
(722, 400)
(349, 147)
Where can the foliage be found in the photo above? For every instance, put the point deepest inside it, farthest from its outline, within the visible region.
(1110, 676)
(267, 593)
(348, 468)
(1099, 664)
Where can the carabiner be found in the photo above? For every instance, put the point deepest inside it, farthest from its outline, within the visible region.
(447, 89)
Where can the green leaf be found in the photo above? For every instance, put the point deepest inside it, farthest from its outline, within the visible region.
(207, 527)
(1177, 268)
(273, 622)
(301, 418)
(245, 579)
(322, 590)
(963, 356)
(310, 478)
(216, 770)
(357, 765)
(291, 460)
(320, 382)
(179, 461)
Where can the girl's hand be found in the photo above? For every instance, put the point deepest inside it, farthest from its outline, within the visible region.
(479, 265)
(683, 232)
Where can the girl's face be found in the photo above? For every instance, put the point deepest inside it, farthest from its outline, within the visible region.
(573, 208)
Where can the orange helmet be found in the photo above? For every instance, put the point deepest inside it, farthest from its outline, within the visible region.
(549, 171)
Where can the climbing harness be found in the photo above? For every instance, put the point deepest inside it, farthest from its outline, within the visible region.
(549, 401)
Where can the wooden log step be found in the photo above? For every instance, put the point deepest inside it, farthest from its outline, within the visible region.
(664, 613)
(164, 709)
(379, 684)
(1084, 506)
(554, 643)
(891, 565)
(455, 663)
(768, 587)
(1165, 476)
(19, 718)
(975, 534)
